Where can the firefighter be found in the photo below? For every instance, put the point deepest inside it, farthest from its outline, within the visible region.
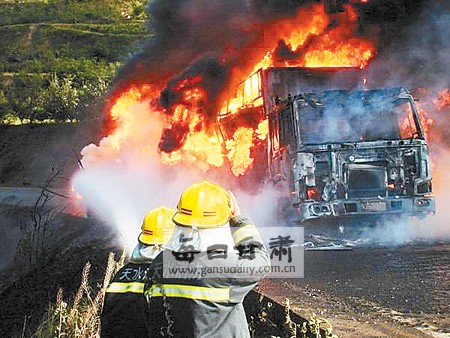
(207, 223)
(124, 308)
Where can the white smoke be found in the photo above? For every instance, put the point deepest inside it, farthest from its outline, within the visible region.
(438, 227)
(121, 197)
(418, 58)
(431, 228)
(261, 207)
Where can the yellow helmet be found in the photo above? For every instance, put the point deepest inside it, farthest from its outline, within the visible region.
(204, 205)
(157, 226)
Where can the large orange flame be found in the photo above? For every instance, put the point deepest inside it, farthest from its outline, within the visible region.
(201, 146)
(327, 47)
(311, 38)
(134, 133)
(239, 150)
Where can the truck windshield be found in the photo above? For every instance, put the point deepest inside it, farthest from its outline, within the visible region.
(353, 119)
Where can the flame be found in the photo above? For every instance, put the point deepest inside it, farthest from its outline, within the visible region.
(134, 131)
(201, 147)
(340, 55)
(262, 130)
(335, 47)
(120, 111)
(427, 109)
(443, 99)
(239, 147)
(75, 194)
(239, 150)
(186, 135)
(426, 121)
(439, 104)
(338, 48)
(407, 126)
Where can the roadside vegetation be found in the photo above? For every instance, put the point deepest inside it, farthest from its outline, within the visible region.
(58, 57)
(79, 316)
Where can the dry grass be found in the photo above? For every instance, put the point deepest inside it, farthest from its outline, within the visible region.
(81, 317)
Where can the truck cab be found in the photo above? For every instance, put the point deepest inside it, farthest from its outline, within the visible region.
(338, 148)
(350, 153)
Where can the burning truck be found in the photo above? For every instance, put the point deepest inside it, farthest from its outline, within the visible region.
(279, 98)
(338, 149)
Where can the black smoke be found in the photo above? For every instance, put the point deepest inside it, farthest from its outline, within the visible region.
(414, 48)
(209, 71)
(184, 30)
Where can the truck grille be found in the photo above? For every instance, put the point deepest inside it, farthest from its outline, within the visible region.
(366, 180)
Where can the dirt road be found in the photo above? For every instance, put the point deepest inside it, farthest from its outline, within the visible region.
(375, 291)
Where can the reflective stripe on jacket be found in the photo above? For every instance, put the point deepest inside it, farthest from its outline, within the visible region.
(190, 292)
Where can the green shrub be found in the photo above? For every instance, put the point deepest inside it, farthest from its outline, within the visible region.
(128, 28)
(16, 34)
(13, 13)
(24, 96)
(4, 108)
(59, 97)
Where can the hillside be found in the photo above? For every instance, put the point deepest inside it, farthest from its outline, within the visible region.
(57, 61)
(59, 57)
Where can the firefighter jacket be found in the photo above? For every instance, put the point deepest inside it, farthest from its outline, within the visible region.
(206, 307)
(123, 313)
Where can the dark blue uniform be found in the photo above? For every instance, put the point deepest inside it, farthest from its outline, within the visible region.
(124, 310)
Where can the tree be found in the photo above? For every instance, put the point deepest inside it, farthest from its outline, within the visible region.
(24, 97)
(61, 98)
